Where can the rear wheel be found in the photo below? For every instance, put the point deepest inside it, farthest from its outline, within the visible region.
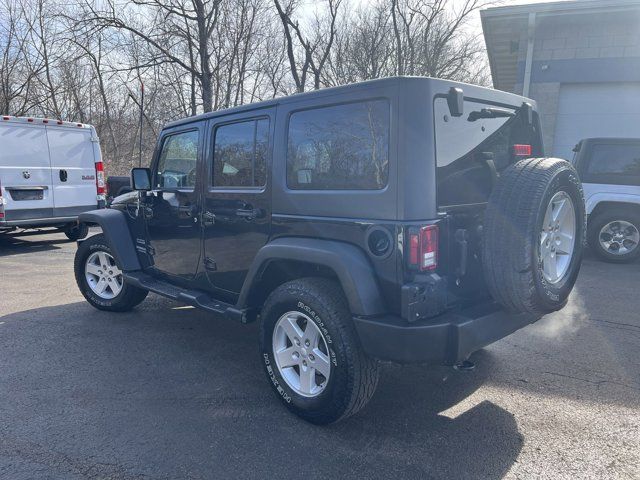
(615, 235)
(75, 232)
(311, 352)
(101, 281)
(534, 235)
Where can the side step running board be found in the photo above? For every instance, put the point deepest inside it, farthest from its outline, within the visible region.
(195, 298)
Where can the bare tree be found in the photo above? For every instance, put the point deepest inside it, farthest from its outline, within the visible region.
(315, 48)
(85, 60)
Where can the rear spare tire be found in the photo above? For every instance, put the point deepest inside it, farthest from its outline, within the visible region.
(534, 235)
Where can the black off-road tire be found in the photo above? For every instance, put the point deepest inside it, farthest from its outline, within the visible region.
(512, 235)
(76, 232)
(600, 220)
(129, 296)
(354, 375)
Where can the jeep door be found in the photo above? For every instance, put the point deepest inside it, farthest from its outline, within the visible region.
(172, 208)
(236, 213)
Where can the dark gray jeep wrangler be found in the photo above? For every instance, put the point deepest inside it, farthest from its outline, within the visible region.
(403, 219)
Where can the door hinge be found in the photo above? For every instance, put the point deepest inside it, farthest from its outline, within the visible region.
(210, 264)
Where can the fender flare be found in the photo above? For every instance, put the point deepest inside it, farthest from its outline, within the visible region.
(594, 200)
(349, 263)
(116, 231)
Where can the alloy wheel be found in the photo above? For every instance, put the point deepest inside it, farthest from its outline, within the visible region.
(557, 239)
(301, 354)
(103, 276)
(619, 237)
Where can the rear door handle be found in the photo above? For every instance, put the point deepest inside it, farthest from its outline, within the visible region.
(208, 218)
(63, 175)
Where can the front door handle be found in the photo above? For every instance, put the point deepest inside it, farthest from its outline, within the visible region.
(249, 213)
(189, 210)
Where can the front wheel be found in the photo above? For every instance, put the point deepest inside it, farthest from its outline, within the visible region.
(615, 235)
(311, 352)
(101, 281)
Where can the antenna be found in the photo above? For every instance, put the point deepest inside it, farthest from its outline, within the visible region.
(141, 118)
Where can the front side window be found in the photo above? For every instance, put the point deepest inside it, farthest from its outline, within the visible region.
(240, 154)
(178, 161)
(342, 147)
(612, 159)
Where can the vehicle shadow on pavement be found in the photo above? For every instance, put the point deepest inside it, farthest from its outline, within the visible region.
(11, 244)
(169, 391)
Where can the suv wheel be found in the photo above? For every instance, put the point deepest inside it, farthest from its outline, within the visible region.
(311, 352)
(614, 235)
(101, 281)
(534, 235)
(76, 232)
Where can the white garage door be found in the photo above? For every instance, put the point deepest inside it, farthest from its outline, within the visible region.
(595, 110)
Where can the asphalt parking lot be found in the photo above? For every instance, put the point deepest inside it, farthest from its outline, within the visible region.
(170, 392)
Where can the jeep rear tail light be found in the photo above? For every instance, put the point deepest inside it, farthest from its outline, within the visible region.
(100, 181)
(423, 248)
(522, 150)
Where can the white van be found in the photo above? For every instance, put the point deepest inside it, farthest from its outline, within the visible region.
(50, 172)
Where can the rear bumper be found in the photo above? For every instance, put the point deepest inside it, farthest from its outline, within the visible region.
(444, 340)
(43, 217)
(38, 222)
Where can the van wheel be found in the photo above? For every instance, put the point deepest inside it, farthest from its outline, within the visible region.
(76, 232)
(101, 281)
(311, 352)
(614, 235)
(534, 235)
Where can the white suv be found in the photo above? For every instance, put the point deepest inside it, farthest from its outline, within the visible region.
(610, 172)
(50, 172)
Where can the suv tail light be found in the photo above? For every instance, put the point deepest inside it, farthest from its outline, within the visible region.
(522, 150)
(100, 181)
(423, 248)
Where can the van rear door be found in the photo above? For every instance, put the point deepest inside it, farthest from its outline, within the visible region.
(25, 172)
(73, 170)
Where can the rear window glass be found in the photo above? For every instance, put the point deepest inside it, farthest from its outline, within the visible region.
(240, 154)
(611, 159)
(469, 147)
(342, 147)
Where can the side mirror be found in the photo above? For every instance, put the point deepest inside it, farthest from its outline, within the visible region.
(455, 100)
(141, 179)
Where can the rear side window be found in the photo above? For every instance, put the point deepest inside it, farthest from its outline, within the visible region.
(612, 159)
(342, 147)
(240, 154)
(178, 161)
(471, 147)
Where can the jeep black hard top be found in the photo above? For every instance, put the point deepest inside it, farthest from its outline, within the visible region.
(408, 219)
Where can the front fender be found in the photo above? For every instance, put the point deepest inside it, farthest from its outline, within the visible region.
(351, 266)
(116, 231)
(611, 197)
